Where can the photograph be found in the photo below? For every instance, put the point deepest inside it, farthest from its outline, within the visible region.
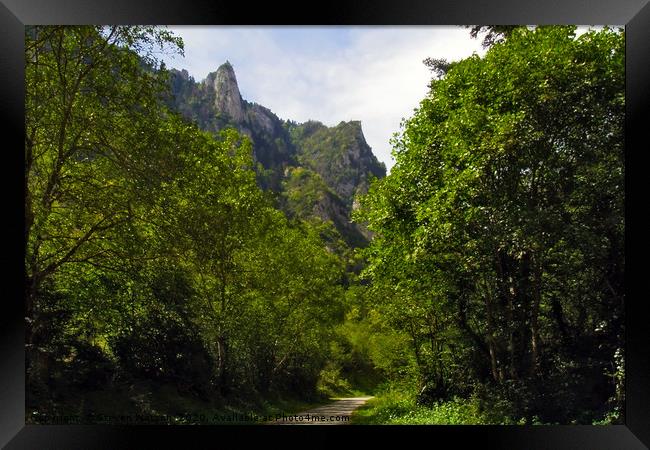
(408, 220)
(325, 225)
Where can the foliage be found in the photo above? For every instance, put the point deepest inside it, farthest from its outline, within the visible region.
(152, 255)
(499, 232)
(340, 155)
(397, 407)
(303, 190)
(158, 270)
(494, 34)
(272, 146)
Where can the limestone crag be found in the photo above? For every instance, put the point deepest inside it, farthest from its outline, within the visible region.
(227, 99)
(339, 155)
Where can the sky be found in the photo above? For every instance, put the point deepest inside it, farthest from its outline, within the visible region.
(330, 74)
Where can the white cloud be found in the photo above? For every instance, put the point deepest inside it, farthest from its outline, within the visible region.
(375, 75)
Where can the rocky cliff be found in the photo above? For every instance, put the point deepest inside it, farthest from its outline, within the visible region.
(315, 170)
(227, 99)
(339, 154)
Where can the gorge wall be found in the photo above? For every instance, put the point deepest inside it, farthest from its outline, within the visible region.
(315, 170)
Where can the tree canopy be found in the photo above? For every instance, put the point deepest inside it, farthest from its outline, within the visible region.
(151, 252)
(494, 276)
(501, 224)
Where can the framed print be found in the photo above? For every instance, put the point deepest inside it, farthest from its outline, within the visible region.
(410, 216)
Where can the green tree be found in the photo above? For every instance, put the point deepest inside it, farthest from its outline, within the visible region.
(211, 209)
(92, 115)
(295, 298)
(506, 204)
(151, 252)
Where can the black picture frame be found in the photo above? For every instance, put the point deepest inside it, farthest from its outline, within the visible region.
(14, 14)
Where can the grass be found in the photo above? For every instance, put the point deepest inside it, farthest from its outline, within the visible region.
(396, 407)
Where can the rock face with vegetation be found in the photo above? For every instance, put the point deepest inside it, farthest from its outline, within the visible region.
(316, 170)
(161, 281)
(227, 98)
(339, 154)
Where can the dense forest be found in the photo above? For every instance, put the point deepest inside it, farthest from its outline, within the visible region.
(188, 252)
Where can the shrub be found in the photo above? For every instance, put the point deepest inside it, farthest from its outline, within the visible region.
(161, 346)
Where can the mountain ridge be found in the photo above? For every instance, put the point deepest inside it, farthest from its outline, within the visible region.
(338, 155)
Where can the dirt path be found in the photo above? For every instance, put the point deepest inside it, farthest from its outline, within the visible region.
(335, 413)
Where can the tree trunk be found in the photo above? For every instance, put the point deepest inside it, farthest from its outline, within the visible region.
(534, 315)
(558, 315)
(31, 316)
(222, 341)
(36, 359)
(507, 292)
(223, 372)
(494, 364)
(462, 323)
(416, 345)
(512, 366)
